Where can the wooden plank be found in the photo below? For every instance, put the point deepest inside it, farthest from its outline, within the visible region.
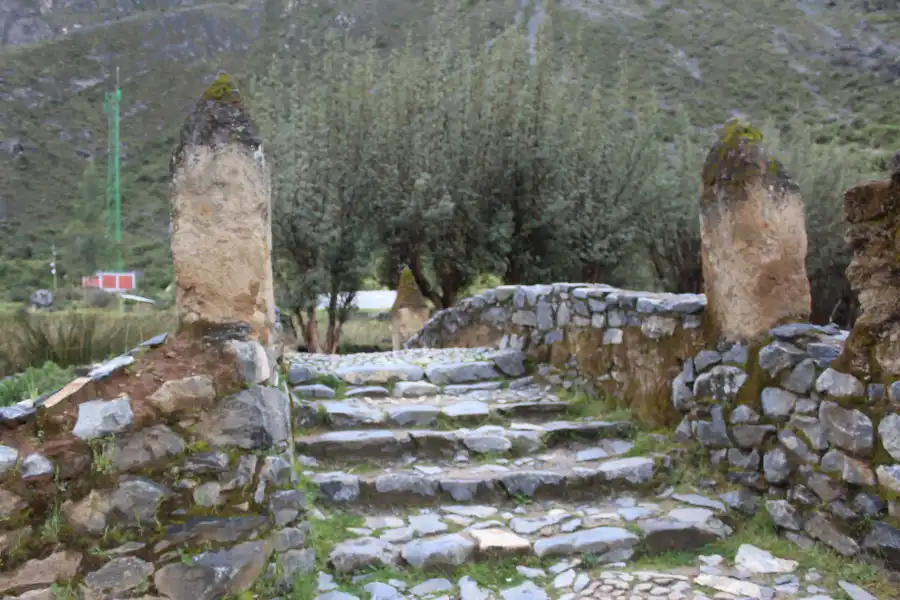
(70, 389)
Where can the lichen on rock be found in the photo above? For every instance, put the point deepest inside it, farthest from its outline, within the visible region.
(217, 119)
(739, 156)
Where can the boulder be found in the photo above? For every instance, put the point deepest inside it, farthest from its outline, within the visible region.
(252, 419)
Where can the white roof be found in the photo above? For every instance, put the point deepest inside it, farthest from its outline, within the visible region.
(137, 298)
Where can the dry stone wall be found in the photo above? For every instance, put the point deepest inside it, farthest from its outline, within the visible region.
(199, 502)
(822, 446)
(623, 344)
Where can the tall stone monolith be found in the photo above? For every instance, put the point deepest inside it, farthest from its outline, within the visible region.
(872, 210)
(753, 234)
(409, 312)
(221, 221)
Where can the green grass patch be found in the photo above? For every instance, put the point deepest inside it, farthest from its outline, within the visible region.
(760, 531)
(71, 338)
(334, 382)
(34, 382)
(646, 442)
(584, 406)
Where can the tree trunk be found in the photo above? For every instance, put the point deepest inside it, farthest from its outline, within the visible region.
(313, 345)
(332, 338)
(299, 328)
(415, 266)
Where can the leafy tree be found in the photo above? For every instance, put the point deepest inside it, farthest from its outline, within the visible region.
(318, 120)
(85, 234)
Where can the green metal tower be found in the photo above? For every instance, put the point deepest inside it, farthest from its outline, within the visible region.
(113, 193)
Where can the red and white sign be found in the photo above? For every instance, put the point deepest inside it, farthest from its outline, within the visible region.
(110, 281)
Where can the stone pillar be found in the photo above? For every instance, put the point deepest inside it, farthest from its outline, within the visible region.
(872, 210)
(409, 312)
(753, 238)
(221, 221)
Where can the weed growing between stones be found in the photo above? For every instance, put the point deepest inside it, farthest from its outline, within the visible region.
(102, 450)
(692, 469)
(648, 443)
(339, 386)
(583, 406)
(52, 526)
(64, 591)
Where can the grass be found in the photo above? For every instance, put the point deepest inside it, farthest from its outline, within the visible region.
(584, 406)
(34, 382)
(760, 531)
(71, 338)
(41, 348)
(499, 572)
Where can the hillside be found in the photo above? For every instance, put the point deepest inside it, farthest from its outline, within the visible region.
(836, 63)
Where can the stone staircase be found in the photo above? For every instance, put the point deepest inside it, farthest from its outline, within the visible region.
(456, 455)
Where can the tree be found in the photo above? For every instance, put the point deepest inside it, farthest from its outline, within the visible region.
(439, 157)
(88, 248)
(318, 120)
(667, 213)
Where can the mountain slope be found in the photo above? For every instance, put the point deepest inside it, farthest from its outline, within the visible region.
(838, 65)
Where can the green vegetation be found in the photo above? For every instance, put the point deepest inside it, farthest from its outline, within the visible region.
(33, 382)
(489, 189)
(585, 406)
(72, 338)
(760, 531)
(500, 572)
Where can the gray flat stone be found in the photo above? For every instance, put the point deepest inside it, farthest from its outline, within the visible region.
(463, 372)
(406, 483)
(99, 418)
(698, 500)
(636, 470)
(8, 458)
(367, 391)
(855, 592)
(414, 389)
(351, 414)
(377, 443)
(316, 390)
(338, 487)
(412, 415)
(525, 591)
(484, 443)
(510, 362)
(470, 408)
(363, 553)
(441, 551)
(468, 388)
(36, 465)
(604, 542)
(527, 483)
(380, 374)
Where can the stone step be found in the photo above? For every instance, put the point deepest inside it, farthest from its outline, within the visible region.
(611, 530)
(376, 445)
(445, 367)
(551, 475)
(371, 412)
